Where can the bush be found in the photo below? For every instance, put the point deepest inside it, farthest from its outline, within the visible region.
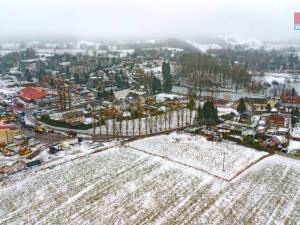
(231, 138)
(235, 132)
(248, 140)
(228, 116)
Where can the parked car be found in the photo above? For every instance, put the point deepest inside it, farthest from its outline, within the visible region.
(33, 163)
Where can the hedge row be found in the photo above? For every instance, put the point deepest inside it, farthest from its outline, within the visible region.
(65, 125)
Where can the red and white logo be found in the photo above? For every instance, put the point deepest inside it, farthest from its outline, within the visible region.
(297, 21)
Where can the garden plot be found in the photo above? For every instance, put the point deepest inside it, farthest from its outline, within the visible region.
(197, 152)
(123, 186)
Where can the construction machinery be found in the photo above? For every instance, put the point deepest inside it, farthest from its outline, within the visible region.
(11, 119)
(25, 151)
(39, 129)
(5, 151)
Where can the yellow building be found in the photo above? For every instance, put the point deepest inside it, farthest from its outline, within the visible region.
(7, 135)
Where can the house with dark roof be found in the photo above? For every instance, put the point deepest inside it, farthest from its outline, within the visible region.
(260, 103)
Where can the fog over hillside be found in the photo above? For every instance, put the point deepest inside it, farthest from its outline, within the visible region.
(131, 19)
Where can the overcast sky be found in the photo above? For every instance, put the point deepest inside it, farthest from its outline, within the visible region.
(87, 19)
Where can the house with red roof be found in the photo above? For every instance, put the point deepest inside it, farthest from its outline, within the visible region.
(275, 120)
(290, 101)
(34, 94)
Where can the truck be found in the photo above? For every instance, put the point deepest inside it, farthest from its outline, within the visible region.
(54, 149)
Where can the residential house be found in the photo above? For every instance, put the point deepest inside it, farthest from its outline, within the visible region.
(257, 103)
(136, 99)
(245, 118)
(290, 101)
(275, 120)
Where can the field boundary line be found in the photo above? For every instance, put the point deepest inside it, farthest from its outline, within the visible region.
(200, 169)
(248, 166)
(175, 161)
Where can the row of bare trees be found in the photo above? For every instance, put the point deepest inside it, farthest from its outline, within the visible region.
(125, 126)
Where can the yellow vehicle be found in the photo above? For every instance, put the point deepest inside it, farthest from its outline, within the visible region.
(39, 129)
(11, 119)
(25, 151)
(50, 131)
(5, 151)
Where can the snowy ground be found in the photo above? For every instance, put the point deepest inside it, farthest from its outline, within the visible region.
(71, 150)
(282, 78)
(196, 151)
(125, 186)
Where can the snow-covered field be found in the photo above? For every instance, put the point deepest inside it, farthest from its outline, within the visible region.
(283, 78)
(125, 186)
(196, 151)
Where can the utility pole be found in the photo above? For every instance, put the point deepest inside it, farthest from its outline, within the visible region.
(224, 153)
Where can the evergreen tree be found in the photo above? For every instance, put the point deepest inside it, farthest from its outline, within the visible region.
(268, 107)
(52, 83)
(76, 78)
(295, 116)
(208, 114)
(28, 75)
(241, 107)
(156, 85)
(294, 93)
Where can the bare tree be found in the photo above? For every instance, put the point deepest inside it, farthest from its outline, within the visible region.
(178, 117)
(170, 117)
(139, 125)
(120, 125)
(106, 126)
(126, 126)
(156, 118)
(146, 124)
(133, 126)
(182, 116)
(100, 121)
(114, 126)
(150, 120)
(160, 122)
